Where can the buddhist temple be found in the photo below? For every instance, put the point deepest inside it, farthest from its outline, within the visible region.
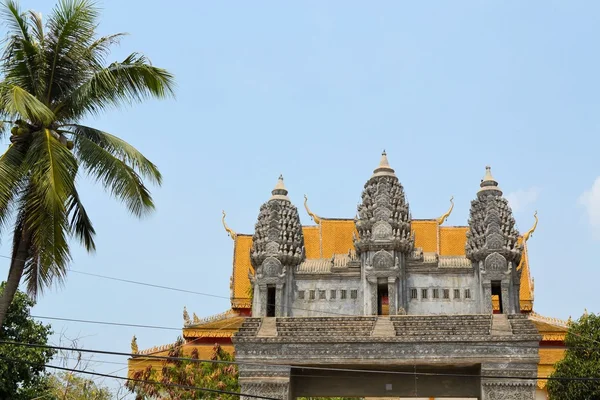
(382, 283)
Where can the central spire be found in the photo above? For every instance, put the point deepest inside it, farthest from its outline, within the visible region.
(489, 184)
(384, 167)
(280, 192)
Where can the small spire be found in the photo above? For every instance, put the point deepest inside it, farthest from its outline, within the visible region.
(443, 218)
(529, 233)
(229, 231)
(384, 167)
(186, 316)
(314, 216)
(489, 184)
(279, 192)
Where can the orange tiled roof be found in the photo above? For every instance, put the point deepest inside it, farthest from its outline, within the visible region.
(334, 236)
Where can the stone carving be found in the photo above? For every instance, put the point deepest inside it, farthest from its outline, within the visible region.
(383, 215)
(505, 392)
(491, 225)
(271, 267)
(495, 262)
(383, 260)
(277, 390)
(382, 230)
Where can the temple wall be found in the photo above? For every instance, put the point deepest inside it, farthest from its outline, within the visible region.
(308, 307)
(440, 305)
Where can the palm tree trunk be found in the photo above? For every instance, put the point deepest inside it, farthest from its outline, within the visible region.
(14, 274)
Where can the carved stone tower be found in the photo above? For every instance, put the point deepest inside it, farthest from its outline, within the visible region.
(383, 225)
(277, 248)
(493, 247)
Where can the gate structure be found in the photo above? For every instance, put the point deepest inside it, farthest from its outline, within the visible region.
(488, 357)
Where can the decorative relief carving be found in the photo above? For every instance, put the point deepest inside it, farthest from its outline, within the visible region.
(503, 392)
(277, 390)
(382, 230)
(383, 260)
(495, 262)
(271, 267)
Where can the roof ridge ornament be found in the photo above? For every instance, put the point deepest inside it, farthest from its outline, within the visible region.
(134, 346)
(529, 233)
(444, 217)
(314, 216)
(229, 231)
(489, 184)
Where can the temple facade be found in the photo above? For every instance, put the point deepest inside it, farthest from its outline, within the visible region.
(383, 292)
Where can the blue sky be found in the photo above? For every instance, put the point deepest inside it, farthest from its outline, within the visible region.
(315, 90)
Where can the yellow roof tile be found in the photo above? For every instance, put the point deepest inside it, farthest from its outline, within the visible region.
(426, 235)
(312, 241)
(453, 240)
(336, 236)
(241, 267)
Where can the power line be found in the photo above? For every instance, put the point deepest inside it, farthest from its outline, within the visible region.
(87, 321)
(175, 385)
(293, 366)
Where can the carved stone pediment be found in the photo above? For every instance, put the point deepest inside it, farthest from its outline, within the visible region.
(495, 262)
(383, 260)
(271, 267)
(382, 231)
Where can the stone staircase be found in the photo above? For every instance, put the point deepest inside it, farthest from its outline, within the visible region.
(500, 325)
(325, 326)
(383, 328)
(268, 328)
(438, 326)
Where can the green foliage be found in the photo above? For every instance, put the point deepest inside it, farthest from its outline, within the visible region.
(67, 386)
(582, 360)
(219, 376)
(54, 74)
(24, 380)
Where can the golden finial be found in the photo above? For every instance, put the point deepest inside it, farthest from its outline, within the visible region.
(445, 216)
(528, 234)
(195, 318)
(230, 232)
(585, 312)
(186, 316)
(569, 321)
(134, 346)
(314, 216)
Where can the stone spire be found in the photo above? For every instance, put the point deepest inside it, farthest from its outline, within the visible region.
(383, 216)
(278, 234)
(492, 227)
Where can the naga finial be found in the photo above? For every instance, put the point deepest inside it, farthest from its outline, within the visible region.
(443, 218)
(134, 346)
(528, 234)
(314, 216)
(230, 231)
(186, 316)
(195, 318)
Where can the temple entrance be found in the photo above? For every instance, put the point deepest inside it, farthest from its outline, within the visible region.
(383, 301)
(270, 300)
(455, 382)
(497, 293)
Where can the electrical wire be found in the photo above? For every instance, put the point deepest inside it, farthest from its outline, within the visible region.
(175, 385)
(374, 371)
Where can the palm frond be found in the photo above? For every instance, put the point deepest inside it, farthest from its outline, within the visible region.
(22, 55)
(18, 102)
(71, 31)
(11, 179)
(80, 223)
(100, 49)
(120, 149)
(37, 24)
(133, 80)
(49, 252)
(116, 176)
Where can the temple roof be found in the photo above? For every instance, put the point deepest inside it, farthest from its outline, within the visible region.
(332, 238)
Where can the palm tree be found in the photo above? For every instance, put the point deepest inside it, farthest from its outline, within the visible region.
(53, 76)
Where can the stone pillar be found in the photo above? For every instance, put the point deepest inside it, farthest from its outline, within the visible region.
(279, 300)
(373, 287)
(262, 311)
(263, 380)
(486, 299)
(506, 309)
(497, 385)
(392, 295)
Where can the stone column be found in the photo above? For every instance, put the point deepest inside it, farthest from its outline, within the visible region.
(392, 295)
(506, 299)
(373, 287)
(262, 311)
(486, 299)
(279, 300)
(497, 384)
(263, 380)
